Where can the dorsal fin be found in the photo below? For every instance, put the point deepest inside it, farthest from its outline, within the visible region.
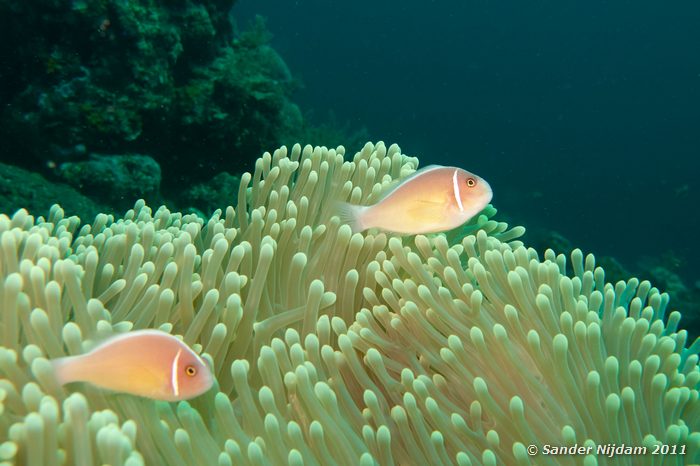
(398, 182)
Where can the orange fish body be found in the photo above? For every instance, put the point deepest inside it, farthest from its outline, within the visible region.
(431, 200)
(148, 363)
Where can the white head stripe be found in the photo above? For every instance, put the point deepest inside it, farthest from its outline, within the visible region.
(174, 380)
(455, 185)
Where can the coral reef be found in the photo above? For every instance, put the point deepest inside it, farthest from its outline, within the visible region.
(163, 79)
(331, 347)
(207, 197)
(20, 188)
(115, 179)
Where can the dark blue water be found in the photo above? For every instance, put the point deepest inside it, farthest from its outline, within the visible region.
(584, 116)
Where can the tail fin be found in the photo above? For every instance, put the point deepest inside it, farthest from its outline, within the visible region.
(64, 370)
(351, 215)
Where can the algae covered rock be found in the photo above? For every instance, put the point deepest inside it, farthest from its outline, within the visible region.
(115, 178)
(163, 79)
(22, 189)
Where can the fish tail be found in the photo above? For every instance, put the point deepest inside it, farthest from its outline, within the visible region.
(64, 369)
(351, 215)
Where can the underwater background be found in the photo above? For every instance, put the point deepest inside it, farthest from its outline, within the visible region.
(456, 348)
(583, 116)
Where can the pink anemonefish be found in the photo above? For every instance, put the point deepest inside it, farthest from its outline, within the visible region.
(148, 363)
(432, 199)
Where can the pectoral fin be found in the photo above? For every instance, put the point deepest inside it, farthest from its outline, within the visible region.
(427, 211)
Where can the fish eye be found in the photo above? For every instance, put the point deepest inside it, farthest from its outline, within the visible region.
(471, 182)
(191, 371)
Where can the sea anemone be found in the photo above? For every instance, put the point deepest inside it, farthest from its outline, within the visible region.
(336, 348)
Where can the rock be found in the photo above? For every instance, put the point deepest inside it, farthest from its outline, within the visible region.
(20, 188)
(117, 180)
(218, 193)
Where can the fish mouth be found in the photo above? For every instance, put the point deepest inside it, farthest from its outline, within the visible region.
(203, 387)
(209, 382)
(488, 192)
